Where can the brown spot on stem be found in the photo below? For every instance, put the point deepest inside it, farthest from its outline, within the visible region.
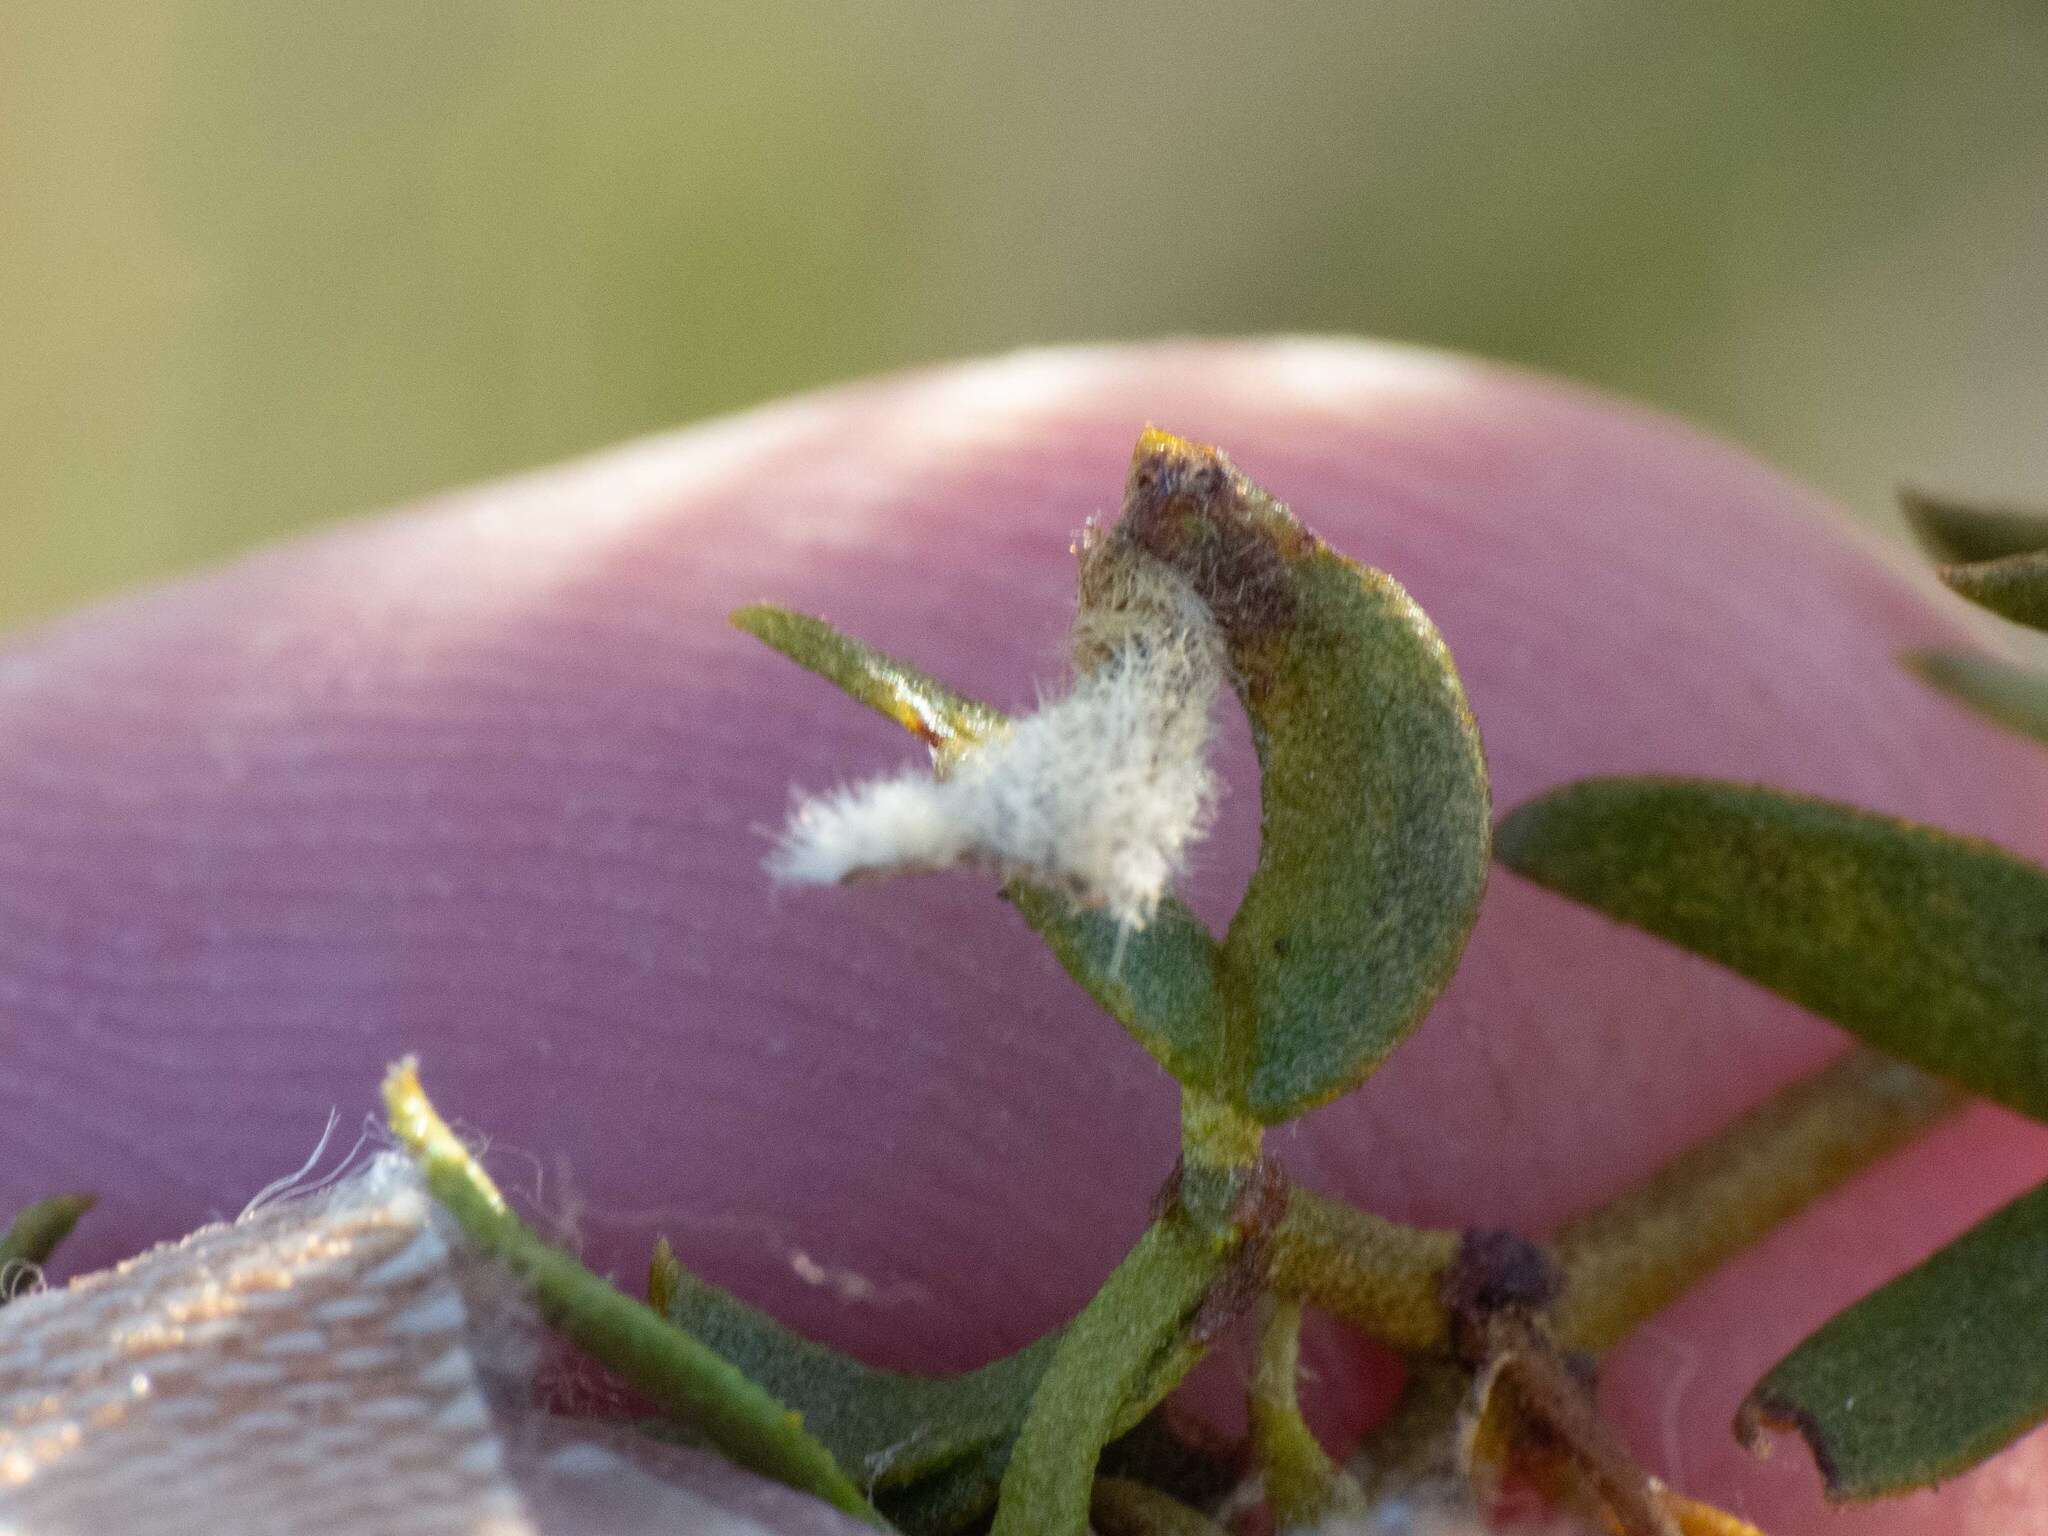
(1257, 1213)
(1496, 1273)
(1498, 1290)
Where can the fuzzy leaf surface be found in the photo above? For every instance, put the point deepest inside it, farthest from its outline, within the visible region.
(1963, 531)
(1127, 1349)
(1373, 788)
(1927, 1376)
(886, 1428)
(1158, 982)
(2014, 587)
(2016, 697)
(1931, 947)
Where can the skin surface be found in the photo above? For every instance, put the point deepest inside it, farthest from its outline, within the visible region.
(489, 779)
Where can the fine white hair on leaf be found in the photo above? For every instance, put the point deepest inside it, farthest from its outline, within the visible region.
(1099, 793)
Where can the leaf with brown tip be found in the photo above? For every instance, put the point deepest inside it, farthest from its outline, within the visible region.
(1373, 786)
(1929, 1375)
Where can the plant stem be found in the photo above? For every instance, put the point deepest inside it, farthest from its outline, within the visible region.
(1629, 1259)
(1216, 1134)
(1303, 1485)
(1378, 1275)
(1129, 1344)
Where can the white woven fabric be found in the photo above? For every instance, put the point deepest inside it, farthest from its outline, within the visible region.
(313, 1370)
(305, 1370)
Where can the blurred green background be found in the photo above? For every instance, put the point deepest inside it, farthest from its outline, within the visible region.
(267, 263)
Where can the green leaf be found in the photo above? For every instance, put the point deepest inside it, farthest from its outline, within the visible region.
(1125, 1352)
(679, 1374)
(944, 720)
(1964, 531)
(955, 1498)
(1159, 983)
(959, 1495)
(1929, 946)
(2015, 587)
(2016, 697)
(1373, 787)
(1373, 850)
(1923, 1379)
(885, 1428)
(34, 1235)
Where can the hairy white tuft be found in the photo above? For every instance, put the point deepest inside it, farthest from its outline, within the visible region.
(1099, 793)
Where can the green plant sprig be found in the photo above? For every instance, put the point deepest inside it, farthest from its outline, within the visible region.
(677, 1372)
(1931, 947)
(1375, 846)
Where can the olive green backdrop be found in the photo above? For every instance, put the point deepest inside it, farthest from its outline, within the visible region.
(271, 262)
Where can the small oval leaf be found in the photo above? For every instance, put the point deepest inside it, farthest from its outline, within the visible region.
(1961, 531)
(2016, 697)
(2015, 587)
(1159, 982)
(1373, 786)
(1929, 946)
(1926, 1377)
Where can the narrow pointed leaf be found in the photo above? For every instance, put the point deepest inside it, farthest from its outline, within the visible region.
(674, 1370)
(886, 1428)
(1373, 788)
(1926, 1377)
(2016, 697)
(1929, 946)
(1964, 531)
(33, 1236)
(2015, 587)
(944, 720)
(1158, 982)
